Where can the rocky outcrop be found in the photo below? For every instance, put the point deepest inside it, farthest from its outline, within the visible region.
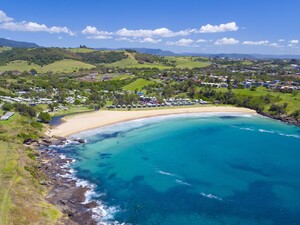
(63, 191)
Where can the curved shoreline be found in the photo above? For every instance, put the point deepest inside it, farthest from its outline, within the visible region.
(87, 121)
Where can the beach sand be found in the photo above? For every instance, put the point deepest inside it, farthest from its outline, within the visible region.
(86, 121)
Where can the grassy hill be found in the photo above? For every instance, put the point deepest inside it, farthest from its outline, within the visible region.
(45, 56)
(80, 50)
(21, 195)
(188, 62)
(137, 84)
(68, 60)
(281, 98)
(4, 48)
(65, 65)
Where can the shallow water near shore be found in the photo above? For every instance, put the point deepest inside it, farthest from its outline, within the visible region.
(193, 169)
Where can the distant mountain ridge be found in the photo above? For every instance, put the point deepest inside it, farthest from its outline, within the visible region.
(160, 52)
(17, 44)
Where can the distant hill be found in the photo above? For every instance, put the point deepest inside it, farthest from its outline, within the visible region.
(241, 56)
(150, 51)
(45, 56)
(161, 52)
(17, 44)
(154, 51)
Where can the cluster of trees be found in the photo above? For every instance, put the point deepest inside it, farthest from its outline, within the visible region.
(98, 57)
(25, 110)
(45, 56)
(257, 103)
(121, 99)
(39, 56)
(142, 58)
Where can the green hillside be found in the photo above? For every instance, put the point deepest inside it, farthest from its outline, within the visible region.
(189, 62)
(65, 65)
(137, 84)
(80, 50)
(4, 48)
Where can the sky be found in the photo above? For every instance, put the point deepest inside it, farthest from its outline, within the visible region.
(197, 26)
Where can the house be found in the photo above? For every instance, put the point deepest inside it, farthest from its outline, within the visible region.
(7, 115)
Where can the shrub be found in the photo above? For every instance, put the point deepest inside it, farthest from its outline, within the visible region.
(45, 117)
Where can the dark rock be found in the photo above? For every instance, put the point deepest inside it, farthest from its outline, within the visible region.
(79, 140)
(91, 205)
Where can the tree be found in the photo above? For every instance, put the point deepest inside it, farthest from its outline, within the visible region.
(25, 110)
(7, 106)
(33, 71)
(45, 117)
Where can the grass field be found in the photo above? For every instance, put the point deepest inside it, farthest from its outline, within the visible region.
(188, 62)
(123, 77)
(293, 101)
(80, 50)
(247, 62)
(137, 85)
(4, 48)
(66, 66)
(132, 63)
(21, 196)
(19, 65)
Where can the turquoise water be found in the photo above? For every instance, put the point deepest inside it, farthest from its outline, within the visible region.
(209, 169)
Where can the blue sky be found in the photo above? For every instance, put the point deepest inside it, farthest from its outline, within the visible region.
(201, 26)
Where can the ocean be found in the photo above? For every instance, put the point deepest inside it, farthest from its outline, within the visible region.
(204, 169)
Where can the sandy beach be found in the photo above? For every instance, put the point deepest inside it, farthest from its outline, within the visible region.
(86, 121)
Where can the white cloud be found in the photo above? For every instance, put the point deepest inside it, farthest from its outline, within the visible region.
(4, 18)
(281, 40)
(7, 23)
(140, 40)
(294, 42)
(181, 42)
(275, 45)
(97, 37)
(60, 37)
(226, 41)
(150, 40)
(265, 42)
(201, 41)
(90, 30)
(219, 28)
(160, 32)
(124, 39)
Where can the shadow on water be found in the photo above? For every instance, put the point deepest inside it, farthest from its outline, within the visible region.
(229, 117)
(250, 169)
(56, 120)
(141, 202)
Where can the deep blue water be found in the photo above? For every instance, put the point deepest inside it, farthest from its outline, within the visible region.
(196, 169)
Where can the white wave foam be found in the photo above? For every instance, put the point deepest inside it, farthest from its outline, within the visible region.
(266, 131)
(183, 182)
(247, 128)
(168, 174)
(211, 196)
(102, 214)
(289, 135)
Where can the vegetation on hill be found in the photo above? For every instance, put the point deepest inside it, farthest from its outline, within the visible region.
(97, 57)
(21, 194)
(39, 56)
(46, 56)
